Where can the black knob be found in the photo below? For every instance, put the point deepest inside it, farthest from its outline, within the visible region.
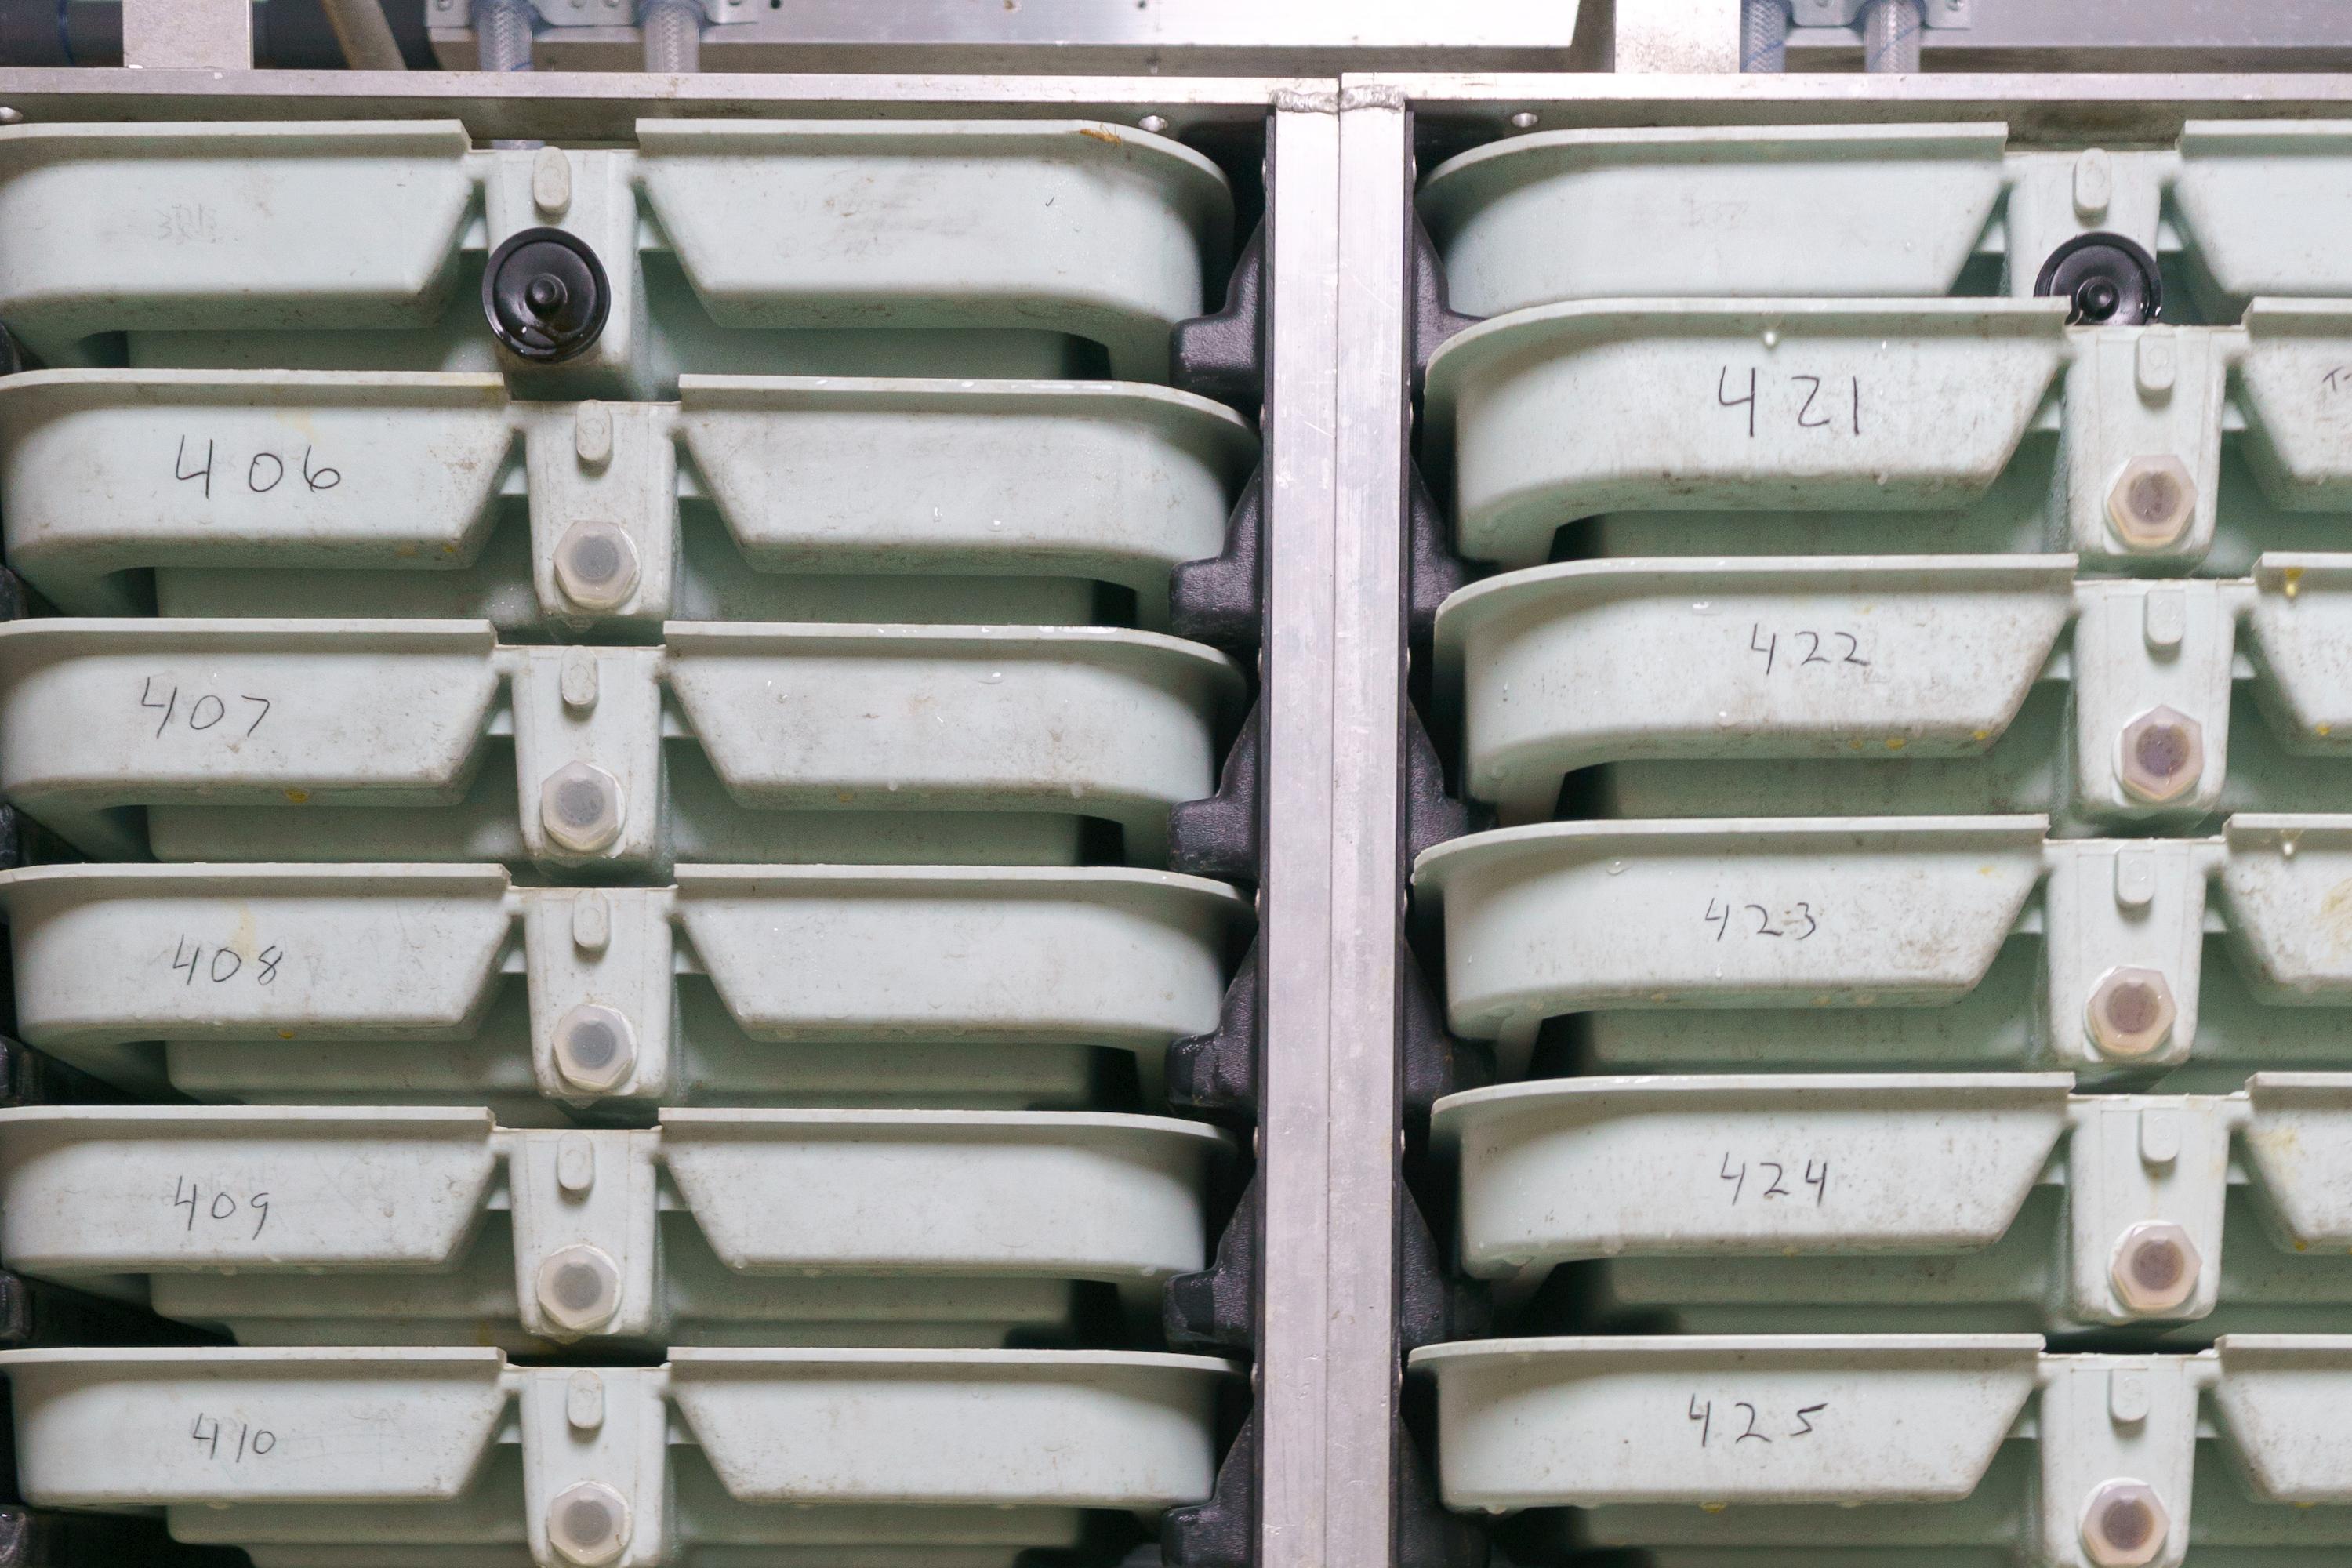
(2107, 278)
(546, 295)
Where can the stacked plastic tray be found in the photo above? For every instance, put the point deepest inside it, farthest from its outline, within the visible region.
(606, 747)
(1908, 683)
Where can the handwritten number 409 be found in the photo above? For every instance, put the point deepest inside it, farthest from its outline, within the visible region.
(223, 1207)
(264, 474)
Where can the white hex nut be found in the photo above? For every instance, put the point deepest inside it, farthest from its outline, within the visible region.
(580, 1287)
(2124, 1524)
(596, 565)
(2155, 1268)
(595, 1047)
(2130, 1013)
(2152, 503)
(2162, 755)
(581, 807)
(588, 1524)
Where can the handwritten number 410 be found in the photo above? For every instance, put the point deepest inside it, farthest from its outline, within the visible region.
(255, 1440)
(1751, 1427)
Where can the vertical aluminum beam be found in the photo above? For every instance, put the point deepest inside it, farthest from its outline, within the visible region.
(1367, 882)
(1312, 1509)
(211, 33)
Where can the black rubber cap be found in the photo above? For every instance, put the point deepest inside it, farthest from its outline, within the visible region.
(546, 295)
(2108, 279)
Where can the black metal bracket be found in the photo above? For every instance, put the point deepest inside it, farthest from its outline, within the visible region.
(1215, 1310)
(1221, 599)
(1433, 319)
(1431, 817)
(1223, 354)
(1432, 1305)
(1214, 1076)
(1436, 1063)
(1222, 1531)
(1426, 1535)
(1218, 836)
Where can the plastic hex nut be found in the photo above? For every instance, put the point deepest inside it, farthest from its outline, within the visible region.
(595, 1047)
(2155, 1268)
(2130, 1013)
(581, 806)
(2151, 502)
(2124, 1524)
(588, 1524)
(2162, 755)
(596, 565)
(580, 1287)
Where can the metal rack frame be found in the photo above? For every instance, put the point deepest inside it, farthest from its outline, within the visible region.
(1340, 158)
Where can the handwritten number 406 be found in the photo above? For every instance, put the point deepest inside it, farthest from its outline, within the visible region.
(264, 474)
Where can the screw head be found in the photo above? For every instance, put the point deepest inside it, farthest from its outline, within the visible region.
(579, 805)
(2162, 755)
(1155, 123)
(596, 565)
(2154, 1266)
(1525, 119)
(588, 1524)
(2130, 1013)
(595, 1047)
(2152, 503)
(580, 1287)
(2124, 1524)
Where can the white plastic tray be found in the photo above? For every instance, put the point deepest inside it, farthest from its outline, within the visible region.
(310, 965)
(334, 1226)
(749, 498)
(246, 738)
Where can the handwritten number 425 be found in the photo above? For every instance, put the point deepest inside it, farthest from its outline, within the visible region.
(1749, 1420)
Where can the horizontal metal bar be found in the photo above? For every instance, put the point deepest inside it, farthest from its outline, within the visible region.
(2058, 107)
(563, 105)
